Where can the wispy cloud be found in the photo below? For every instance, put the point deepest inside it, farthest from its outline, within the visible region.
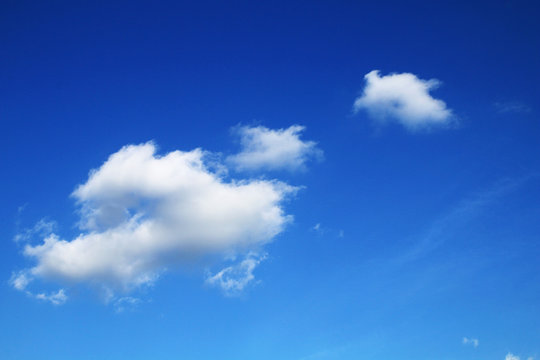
(512, 107)
(442, 229)
(126, 303)
(55, 298)
(404, 98)
(321, 230)
(41, 229)
(22, 279)
(471, 341)
(233, 279)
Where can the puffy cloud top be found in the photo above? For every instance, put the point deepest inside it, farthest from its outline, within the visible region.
(404, 98)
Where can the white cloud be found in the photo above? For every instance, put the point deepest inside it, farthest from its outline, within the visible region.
(404, 98)
(141, 213)
(471, 341)
(233, 279)
(57, 298)
(20, 280)
(267, 149)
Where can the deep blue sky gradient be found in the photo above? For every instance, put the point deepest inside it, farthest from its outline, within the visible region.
(440, 229)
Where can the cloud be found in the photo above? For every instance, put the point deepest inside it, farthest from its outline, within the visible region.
(57, 298)
(20, 282)
(443, 228)
(511, 356)
(142, 213)
(471, 341)
(126, 303)
(404, 98)
(267, 149)
(233, 279)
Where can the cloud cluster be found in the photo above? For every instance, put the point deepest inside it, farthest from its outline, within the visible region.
(404, 98)
(266, 149)
(142, 212)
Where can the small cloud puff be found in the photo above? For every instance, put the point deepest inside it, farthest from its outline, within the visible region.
(266, 149)
(404, 98)
(471, 341)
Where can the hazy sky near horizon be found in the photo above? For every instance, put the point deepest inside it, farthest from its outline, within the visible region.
(270, 180)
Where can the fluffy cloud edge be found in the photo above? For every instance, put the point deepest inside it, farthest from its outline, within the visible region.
(267, 149)
(132, 209)
(404, 98)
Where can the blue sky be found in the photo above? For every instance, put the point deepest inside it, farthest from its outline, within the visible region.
(270, 180)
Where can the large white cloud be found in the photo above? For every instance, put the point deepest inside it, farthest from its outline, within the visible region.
(263, 148)
(404, 98)
(142, 213)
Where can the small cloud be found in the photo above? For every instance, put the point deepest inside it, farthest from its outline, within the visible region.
(57, 298)
(326, 231)
(404, 98)
(21, 208)
(20, 280)
(471, 341)
(267, 149)
(511, 107)
(233, 279)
